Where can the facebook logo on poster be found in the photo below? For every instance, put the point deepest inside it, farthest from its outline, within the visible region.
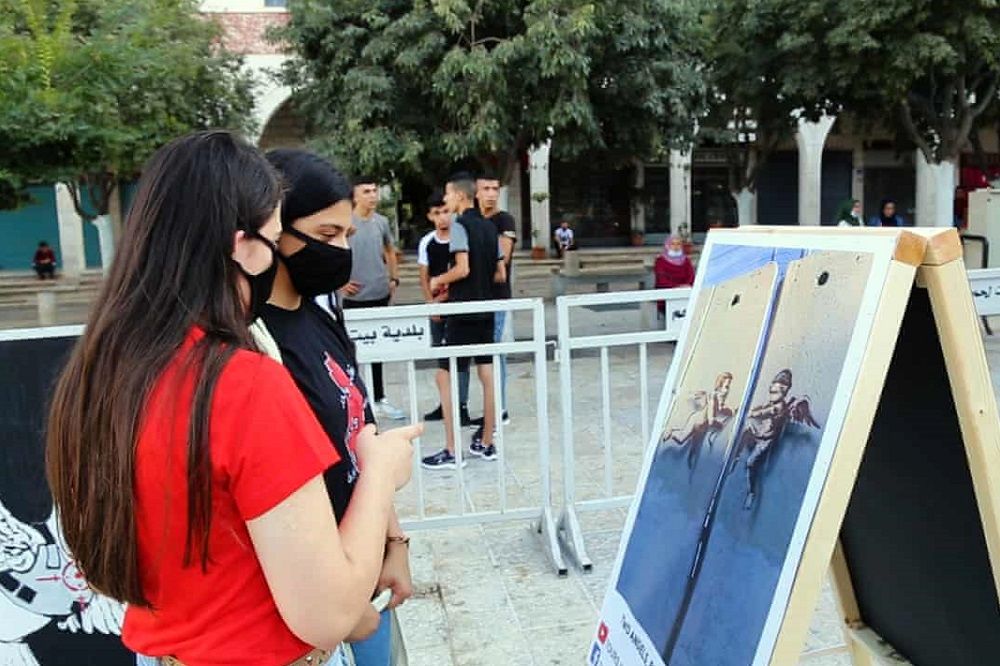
(595, 655)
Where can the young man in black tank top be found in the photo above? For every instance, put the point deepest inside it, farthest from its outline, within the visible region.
(478, 267)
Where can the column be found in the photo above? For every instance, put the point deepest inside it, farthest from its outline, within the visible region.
(680, 190)
(538, 171)
(935, 192)
(810, 138)
(638, 207)
(72, 257)
(858, 177)
(106, 240)
(746, 206)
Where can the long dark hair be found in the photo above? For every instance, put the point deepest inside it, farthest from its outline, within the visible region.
(173, 271)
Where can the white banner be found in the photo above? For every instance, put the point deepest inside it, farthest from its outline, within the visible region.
(410, 334)
(985, 284)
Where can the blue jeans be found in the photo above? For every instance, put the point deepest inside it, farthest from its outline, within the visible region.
(499, 319)
(376, 650)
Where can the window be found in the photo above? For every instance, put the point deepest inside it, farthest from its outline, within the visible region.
(275, 3)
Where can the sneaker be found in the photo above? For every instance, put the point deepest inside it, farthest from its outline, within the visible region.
(443, 459)
(434, 415)
(480, 450)
(478, 423)
(477, 438)
(389, 411)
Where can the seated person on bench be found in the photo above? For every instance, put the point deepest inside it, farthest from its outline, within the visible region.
(44, 262)
(673, 268)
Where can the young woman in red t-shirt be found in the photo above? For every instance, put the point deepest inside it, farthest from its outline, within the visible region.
(186, 466)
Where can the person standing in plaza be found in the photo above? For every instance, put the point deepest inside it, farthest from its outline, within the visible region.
(193, 489)
(479, 265)
(316, 258)
(488, 196)
(374, 275)
(435, 256)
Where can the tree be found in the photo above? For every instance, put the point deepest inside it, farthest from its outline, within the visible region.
(90, 89)
(409, 87)
(927, 68)
(759, 86)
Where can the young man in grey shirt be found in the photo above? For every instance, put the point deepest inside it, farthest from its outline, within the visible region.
(374, 274)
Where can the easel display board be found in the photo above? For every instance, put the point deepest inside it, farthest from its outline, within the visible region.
(828, 405)
(48, 613)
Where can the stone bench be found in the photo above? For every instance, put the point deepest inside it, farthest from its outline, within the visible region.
(600, 274)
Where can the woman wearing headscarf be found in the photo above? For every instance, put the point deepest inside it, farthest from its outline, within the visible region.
(849, 214)
(672, 268)
(887, 216)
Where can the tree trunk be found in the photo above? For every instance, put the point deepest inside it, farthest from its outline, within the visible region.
(746, 206)
(935, 192)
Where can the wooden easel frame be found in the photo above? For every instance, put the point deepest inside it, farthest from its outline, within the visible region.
(932, 259)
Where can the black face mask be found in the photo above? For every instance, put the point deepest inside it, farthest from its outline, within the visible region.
(260, 284)
(318, 268)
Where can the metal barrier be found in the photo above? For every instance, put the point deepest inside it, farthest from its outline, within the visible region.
(401, 335)
(676, 301)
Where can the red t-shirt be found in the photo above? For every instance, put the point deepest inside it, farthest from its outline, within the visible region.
(265, 444)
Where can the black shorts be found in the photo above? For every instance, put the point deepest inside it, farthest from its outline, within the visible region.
(460, 331)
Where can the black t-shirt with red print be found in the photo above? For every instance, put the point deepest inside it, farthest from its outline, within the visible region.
(318, 353)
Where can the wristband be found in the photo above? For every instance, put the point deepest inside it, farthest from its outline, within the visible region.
(404, 540)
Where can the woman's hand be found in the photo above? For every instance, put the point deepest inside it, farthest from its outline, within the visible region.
(396, 573)
(367, 626)
(389, 452)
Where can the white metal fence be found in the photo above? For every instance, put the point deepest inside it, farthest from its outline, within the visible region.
(675, 307)
(402, 335)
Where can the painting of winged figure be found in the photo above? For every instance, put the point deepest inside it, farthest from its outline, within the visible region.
(746, 421)
(708, 417)
(764, 427)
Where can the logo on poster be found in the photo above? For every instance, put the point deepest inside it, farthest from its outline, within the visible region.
(595, 655)
(602, 633)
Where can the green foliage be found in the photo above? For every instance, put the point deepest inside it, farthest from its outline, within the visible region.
(927, 68)
(758, 70)
(90, 89)
(410, 87)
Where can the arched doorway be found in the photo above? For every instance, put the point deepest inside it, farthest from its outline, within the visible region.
(284, 129)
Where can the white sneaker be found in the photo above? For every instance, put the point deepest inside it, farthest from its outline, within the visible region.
(389, 411)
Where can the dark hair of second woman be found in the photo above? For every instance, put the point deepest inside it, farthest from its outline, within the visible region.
(173, 270)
